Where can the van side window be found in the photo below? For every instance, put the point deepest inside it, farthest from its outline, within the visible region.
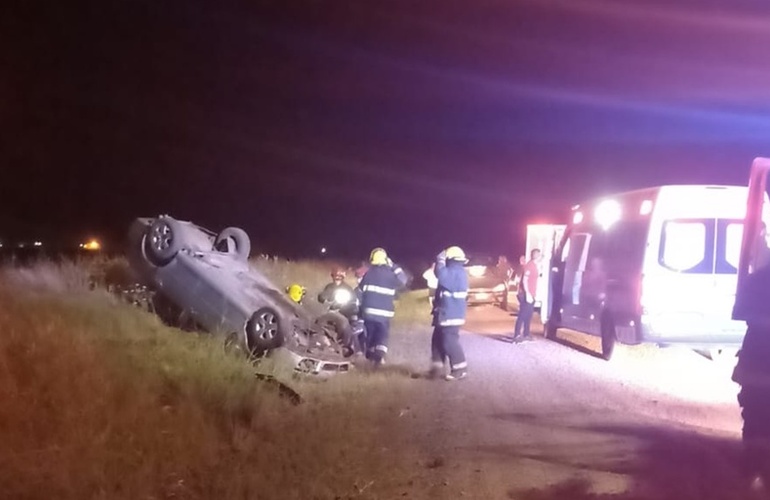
(729, 237)
(687, 246)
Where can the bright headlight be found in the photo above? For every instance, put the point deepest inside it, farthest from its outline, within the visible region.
(477, 271)
(342, 296)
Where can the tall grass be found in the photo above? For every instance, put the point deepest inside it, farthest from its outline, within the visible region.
(412, 307)
(101, 400)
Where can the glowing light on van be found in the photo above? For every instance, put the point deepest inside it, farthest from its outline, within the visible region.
(577, 217)
(607, 213)
(646, 208)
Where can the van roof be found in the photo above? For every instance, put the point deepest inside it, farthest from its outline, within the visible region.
(654, 190)
(684, 199)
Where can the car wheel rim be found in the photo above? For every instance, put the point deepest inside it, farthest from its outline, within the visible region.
(267, 326)
(161, 237)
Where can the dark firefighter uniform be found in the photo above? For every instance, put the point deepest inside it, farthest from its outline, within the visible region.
(333, 292)
(378, 292)
(753, 373)
(449, 310)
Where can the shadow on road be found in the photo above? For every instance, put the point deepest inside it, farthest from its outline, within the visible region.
(499, 337)
(663, 462)
(576, 347)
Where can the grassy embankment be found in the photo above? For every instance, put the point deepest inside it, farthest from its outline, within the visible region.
(101, 400)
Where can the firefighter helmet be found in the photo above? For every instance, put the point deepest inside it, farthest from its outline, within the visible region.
(456, 253)
(378, 257)
(296, 292)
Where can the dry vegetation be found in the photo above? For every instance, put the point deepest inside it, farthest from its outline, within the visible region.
(101, 400)
(412, 307)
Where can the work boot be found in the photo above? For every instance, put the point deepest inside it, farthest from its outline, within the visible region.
(456, 375)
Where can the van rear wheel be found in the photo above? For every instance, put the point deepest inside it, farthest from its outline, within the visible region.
(608, 339)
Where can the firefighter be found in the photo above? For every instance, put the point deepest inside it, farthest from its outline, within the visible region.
(378, 292)
(449, 315)
(339, 295)
(296, 293)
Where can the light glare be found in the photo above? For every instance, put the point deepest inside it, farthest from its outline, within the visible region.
(477, 271)
(607, 213)
(342, 296)
(92, 245)
(577, 218)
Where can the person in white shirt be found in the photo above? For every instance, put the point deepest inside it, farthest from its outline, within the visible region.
(430, 278)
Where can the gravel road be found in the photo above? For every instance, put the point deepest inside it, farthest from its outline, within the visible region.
(553, 417)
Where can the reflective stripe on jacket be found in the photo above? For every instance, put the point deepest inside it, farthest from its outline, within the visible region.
(378, 292)
(451, 294)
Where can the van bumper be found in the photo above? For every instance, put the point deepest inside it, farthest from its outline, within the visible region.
(691, 329)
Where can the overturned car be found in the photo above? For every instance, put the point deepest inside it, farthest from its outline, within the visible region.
(207, 277)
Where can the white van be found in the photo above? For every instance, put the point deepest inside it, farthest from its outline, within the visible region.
(654, 265)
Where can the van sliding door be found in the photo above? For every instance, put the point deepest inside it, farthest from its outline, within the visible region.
(574, 268)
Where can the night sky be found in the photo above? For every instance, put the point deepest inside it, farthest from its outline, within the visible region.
(411, 125)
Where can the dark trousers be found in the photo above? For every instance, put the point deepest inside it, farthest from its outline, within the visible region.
(446, 343)
(361, 344)
(755, 405)
(524, 318)
(377, 334)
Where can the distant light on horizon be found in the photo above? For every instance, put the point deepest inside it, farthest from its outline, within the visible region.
(92, 245)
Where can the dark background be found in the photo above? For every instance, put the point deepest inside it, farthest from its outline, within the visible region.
(411, 125)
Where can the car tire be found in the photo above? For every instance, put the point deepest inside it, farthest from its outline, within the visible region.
(264, 330)
(609, 338)
(240, 239)
(163, 241)
(341, 329)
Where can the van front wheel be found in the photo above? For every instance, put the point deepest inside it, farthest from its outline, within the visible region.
(608, 339)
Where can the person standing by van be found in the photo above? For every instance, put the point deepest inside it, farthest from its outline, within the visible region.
(505, 272)
(526, 296)
(519, 270)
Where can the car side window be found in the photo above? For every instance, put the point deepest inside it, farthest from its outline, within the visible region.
(687, 246)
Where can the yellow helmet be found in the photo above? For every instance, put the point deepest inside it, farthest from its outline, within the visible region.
(378, 257)
(296, 292)
(455, 253)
